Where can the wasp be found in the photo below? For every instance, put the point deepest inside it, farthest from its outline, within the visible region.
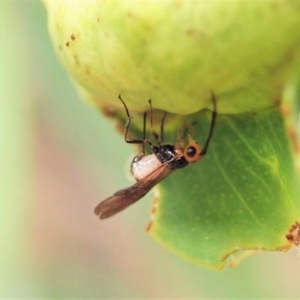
(149, 170)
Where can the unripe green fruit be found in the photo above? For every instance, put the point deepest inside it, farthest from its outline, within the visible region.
(177, 52)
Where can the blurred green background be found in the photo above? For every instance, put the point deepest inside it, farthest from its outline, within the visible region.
(59, 157)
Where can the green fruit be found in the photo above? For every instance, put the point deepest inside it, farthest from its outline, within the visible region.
(176, 52)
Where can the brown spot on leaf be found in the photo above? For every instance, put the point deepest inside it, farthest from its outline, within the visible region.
(293, 234)
(152, 212)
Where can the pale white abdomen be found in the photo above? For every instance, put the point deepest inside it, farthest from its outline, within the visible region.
(143, 165)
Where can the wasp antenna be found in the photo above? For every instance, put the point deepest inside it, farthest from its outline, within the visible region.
(212, 124)
(179, 132)
(190, 127)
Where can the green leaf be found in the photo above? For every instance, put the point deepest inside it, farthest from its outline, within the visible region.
(244, 194)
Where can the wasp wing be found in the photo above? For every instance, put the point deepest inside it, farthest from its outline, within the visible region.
(125, 197)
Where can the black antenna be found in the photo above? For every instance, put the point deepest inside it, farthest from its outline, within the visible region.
(212, 125)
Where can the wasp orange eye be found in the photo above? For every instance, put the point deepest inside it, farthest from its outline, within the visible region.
(192, 152)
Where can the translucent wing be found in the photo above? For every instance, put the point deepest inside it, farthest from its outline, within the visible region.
(125, 197)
